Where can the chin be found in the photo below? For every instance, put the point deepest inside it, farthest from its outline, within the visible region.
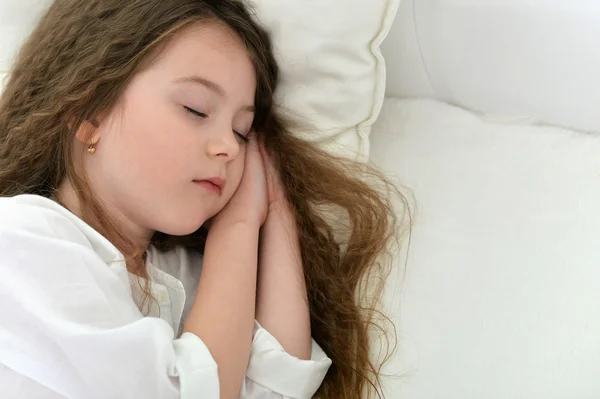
(182, 225)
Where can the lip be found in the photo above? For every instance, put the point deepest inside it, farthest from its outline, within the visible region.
(214, 184)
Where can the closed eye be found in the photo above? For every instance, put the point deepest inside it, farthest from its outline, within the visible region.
(196, 113)
(241, 137)
(204, 116)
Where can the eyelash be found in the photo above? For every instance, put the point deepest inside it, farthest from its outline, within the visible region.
(204, 116)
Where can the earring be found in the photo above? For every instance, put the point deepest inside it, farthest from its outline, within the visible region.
(91, 149)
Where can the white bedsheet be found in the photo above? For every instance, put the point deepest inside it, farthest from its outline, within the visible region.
(502, 291)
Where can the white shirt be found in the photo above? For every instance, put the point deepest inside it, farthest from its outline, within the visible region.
(70, 326)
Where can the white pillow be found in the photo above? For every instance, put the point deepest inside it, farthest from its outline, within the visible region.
(333, 74)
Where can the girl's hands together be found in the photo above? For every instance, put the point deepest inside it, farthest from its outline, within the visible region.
(260, 192)
(249, 203)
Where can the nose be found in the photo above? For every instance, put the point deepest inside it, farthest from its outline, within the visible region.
(223, 144)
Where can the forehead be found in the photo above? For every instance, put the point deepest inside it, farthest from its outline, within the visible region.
(204, 44)
(208, 34)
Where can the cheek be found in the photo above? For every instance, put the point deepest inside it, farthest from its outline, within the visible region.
(152, 146)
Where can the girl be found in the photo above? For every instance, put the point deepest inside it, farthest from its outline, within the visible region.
(125, 128)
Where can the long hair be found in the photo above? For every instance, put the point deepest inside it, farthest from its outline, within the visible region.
(75, 66)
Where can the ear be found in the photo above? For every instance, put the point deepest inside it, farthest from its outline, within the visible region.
(88, 133)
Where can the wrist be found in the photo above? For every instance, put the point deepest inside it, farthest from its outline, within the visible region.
(225, 234)
(281, 209)
(280, 226)
(228, 221)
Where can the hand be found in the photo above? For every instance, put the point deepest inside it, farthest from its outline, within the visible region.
(277, 200)
(250, 201)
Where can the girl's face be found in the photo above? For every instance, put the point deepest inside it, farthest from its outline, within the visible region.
(171, 153)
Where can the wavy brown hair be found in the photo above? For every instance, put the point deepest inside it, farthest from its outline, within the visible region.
(75, 66)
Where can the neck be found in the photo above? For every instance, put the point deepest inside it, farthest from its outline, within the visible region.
(138, 237)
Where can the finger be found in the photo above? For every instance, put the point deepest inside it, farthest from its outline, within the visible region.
(252, 139)
(251, 148)
(269, 165)
(261, 145)
(254, 163)
(264, 154)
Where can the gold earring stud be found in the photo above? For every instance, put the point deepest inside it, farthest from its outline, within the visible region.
(91, 149)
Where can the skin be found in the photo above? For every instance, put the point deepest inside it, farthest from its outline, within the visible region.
(184, 118)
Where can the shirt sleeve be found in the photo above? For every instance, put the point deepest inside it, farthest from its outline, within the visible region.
(68, 323)
(272, 373)
(275, 374)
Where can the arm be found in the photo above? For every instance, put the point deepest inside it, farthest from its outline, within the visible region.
(226, 297)
(282, 303)
(223, 312)
(285, 362)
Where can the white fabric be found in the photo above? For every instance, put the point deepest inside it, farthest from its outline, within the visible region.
(71, 328)
(501, 297)
(333, 74)
(533, 59)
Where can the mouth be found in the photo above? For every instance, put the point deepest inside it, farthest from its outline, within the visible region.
(214, 185)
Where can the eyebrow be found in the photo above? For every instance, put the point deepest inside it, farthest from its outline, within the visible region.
(212, 86)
